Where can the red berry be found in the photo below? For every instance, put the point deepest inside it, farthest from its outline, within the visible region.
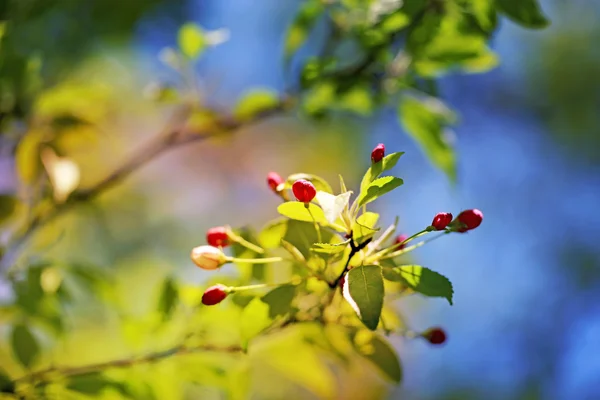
(214, 295)
(434, 335)
(274, 180)
(441, 221)
(469, 219)
(400, 239)
(304, 190)
(342, 281)
(378, 153)
(217, 237)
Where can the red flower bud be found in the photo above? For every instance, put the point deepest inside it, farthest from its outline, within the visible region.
(469, 219)
(400, 239)
(378, 153)
(434, 335)
(214, 295)
(208, 257)
(304, 190)
(217, 237)
(441, 221)
(274, 180)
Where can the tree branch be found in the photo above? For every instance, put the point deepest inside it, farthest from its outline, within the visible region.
(124, 362)
(354, 248)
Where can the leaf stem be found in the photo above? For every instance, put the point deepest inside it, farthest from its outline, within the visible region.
(255, 260)
(317, 228)
(411, 248)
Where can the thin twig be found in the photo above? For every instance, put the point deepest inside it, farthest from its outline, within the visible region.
(354, 249)
(124, 362)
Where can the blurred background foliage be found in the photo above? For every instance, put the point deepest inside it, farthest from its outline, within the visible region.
(93, 285)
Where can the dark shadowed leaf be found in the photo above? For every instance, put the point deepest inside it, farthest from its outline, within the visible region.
(25, 346)
(298, 32)
(377, 350)
(94, 383)
(168, 297)
(280, 300)
(8, 204)
(364, 291)
(6, 384)
(524, 12)
(424, 281)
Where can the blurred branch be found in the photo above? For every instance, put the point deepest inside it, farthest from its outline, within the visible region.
(174, 136)
(36, 377)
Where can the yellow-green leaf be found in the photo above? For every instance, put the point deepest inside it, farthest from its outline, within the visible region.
(320, 183)
(524, 12)
(378, 188)
(256, 102)
(191, 40)
(296, 210)
(255, 318)
(365, 226)
(8, 204)
(25, 346)
(388, 162)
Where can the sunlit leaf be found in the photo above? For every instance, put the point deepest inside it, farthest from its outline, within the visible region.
(328, 248)
(255, 318)
(255, 103)
(388, 162)
(27, 157)
(363, 289)
(380, 353)
(168, 297)
(365, 226)
(358, 100)
(426, 124)
(332, 205)
(422, 280)
(25, 346)
(525, 12)
(298, 32)
(378, 188)
(279, 300)
(191, 40)
(297, 211)
(271, 235)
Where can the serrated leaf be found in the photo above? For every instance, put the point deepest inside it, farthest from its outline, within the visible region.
(365, 226)
(280, 300)
(527, 13)
(168, 298)
(297, 211)
(378, 351)
(191, 40)
(363, 289)
(378, 188)
(320, 183)
(425, 281)
(298, 32)
(8, 203)
(426, 124)
(254, 103)
(328, 248)
(255, 318)
(332, 205)
(388, 162)
(24, 345)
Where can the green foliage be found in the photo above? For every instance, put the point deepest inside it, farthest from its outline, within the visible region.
(25, 346)
(380, 353)
(524, 12)
(297, 211)
(191, 40)
(7, 206)
(421, 280)
(254, 103)
(378, 188)
(365, 293)
(168, 298)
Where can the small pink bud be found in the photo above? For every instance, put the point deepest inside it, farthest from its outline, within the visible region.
(434, 335)
(208, 257)
(214, 295)
(441, 221)
(400, 239)
(274, 180)
(469, 219)
(378, 153)
(217, 237)
(304, 190)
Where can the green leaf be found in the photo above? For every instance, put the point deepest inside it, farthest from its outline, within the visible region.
(425, 281)
(255, 318)
(358, 100)
(321, 97)
(364, 291)
(24, 345)
(271, 235)
(303, 234)
(328, 248)
(90, 384)
(380, 353)
(280, 300)
(8, 203)
(333, 205)
(303, 23)
(378, 188)
(293, 250)
(388, 162)
(168, 298)
(256, 271)
(527, 13)
(425, 123)
(6, 384)
(191, 40)
(395, 22)
(320, 183)
(297, 211)
(254, 103)
(365, 226)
